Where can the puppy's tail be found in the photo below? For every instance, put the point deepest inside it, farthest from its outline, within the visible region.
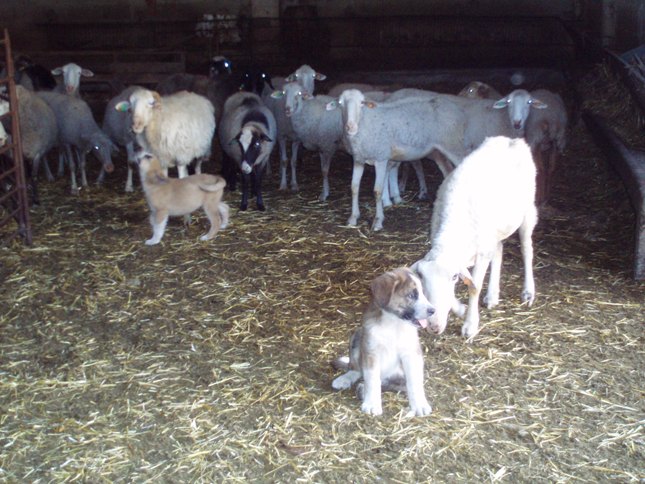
(213, 184)
(223, 213)
(341, 363)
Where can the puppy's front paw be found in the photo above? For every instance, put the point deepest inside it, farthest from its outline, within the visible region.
(372, 408)
(343, 382)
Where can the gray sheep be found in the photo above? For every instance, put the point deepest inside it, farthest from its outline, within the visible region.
(247, 134)
(118, 126)
(38, 131)
(77, 128)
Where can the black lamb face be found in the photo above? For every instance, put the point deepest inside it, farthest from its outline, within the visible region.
(251, 142)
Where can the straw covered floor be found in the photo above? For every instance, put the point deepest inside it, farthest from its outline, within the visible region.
(210, 361)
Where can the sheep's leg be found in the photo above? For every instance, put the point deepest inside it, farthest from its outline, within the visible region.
(381, 173)
(48, 173)
(357, 174)
(246, 181)
(72, 168)
(131, 159)
(421, 178)
(82, 159)
(393, 183)
(526, 244)
(471, 324)
(182, 171)
(198, 164)
(294, 161)
(63, 159)
(282, 145)
(403, 179)
(257, 188)
(492, 294)
(158, 220)
(33, 176)
(325, 163)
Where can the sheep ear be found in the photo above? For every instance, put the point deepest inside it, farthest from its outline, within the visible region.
(331, 105)
(277, 94)
(369, 104)
(86, 73)
(122, 107)
(264, 137)
(501, 104)
(290, 78)
(320, 77)
(536, 103)
(57, 71)
(306, 95)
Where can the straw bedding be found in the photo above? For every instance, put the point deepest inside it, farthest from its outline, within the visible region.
(209, 362)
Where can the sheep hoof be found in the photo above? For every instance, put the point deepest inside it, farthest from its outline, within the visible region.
(352, 221)
(491, 301)
(294, 187)
(244, 206)
(528, 297)
(377, 225)
(322, 197)
(261, 207)
(152, 242)
(423, 196)
(129, 189)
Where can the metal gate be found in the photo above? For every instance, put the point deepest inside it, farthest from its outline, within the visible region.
(14, 205)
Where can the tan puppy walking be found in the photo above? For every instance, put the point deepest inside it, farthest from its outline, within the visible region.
(180, 196)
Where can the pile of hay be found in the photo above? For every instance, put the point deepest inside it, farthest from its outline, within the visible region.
(209, 362)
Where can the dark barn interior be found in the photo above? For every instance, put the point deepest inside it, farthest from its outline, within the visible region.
(210, 361)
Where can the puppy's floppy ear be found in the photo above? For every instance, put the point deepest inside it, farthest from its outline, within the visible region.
(467, 279)
(383, 287)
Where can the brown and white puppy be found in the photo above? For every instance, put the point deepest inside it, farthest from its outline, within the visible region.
(180, 196)
(385, 352)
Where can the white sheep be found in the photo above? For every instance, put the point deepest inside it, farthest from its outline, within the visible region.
(405, 129)
(489, 196)
(177, 129)
(306, 77)
(539, 116)
(71, 78)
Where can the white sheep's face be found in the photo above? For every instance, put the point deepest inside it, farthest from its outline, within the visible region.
(294, 94)
(351, 103)
(72, 76)
(438, 283)
(519, 104)
(142, 102)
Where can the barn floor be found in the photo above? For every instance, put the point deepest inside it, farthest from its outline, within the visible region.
(210, 362)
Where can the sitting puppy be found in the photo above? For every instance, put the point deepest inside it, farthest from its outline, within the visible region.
(180, 196)
(386, 351)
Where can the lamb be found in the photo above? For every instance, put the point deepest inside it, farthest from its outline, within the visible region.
(177, 129)
(544, 128)
(410, 125)
(118, 126)
(71, 78)
(316, 127)
(489, 196)
(479, 90)
(304, 76)
(38, 130)
(77, 128)
(247, 135)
